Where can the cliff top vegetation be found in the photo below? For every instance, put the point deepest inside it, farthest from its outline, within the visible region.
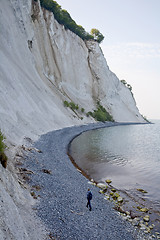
(64, 18)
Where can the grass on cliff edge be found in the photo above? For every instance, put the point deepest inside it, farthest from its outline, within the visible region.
(3, 157)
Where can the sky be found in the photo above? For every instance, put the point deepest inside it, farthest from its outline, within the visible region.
(131, 45)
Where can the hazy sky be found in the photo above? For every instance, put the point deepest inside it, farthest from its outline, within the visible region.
(131, 45)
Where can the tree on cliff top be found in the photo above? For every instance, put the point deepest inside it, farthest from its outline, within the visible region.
(97, 35)
(63, 17)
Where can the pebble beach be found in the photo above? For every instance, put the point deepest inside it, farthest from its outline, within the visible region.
(60, 190)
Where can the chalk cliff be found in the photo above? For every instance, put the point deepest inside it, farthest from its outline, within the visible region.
(41, 66)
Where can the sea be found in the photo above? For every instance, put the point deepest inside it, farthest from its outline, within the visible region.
(128, 155)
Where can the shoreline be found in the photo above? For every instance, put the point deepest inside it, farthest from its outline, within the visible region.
(95, 127)
(61, 192)
(132, 203)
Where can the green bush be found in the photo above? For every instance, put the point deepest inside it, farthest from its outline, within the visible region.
(97, 35)
(71, 105)
(89, 114)
(101, 114)
(63, 17)
(127, 85)
(3, 157)
(66, 104)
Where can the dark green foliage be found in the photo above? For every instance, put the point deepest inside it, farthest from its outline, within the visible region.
(71, 105)
(127, 85)
(66, 104)
(101, 114)
(74, 107)
(97, 35)
(63, 17)
(89, 114)
(3, 157)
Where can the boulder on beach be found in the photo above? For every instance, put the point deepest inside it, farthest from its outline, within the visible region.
(101, 185)
(108, 181)
(146, 218)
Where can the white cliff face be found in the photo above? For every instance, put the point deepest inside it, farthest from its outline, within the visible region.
(42, 64)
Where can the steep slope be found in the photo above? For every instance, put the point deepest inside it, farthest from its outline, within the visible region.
(42, 64)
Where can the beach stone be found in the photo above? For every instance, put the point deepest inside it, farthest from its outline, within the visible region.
(148, 229)
(116, 195)
(142, 227)
(108, 181)
(139, 208)
(101, 185)
(101, 192)
(120, 199)
(112, 194)
(144, 209)
(151, 227)
(113, 190)
(135, 222)
(130, 220)
(92, 183)
(146, 218)
(141, 190)
(107, 197)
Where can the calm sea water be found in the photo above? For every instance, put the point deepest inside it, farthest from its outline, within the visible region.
(128, 155)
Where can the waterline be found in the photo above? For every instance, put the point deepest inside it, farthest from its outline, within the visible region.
(129, 155)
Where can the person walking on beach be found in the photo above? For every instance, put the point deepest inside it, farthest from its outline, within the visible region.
(89, 198)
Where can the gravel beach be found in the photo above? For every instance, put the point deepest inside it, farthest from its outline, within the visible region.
(61, 192)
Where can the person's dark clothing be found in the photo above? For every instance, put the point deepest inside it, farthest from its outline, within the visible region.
(89, 197)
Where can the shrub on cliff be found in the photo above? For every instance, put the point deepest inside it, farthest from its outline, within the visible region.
(63, 17)
(127, 85)
(97, 35)
(101, 114)
(71, 105)
(3, 157)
